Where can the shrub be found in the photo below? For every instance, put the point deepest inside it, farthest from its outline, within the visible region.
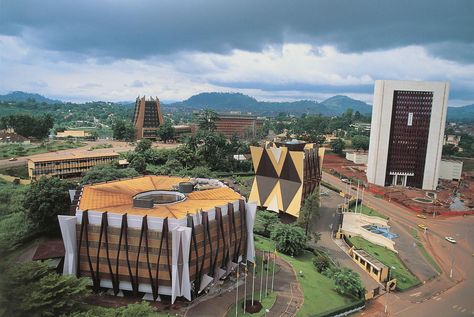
(264, 222)
(289, 239)
(321, 262)
(348, 283)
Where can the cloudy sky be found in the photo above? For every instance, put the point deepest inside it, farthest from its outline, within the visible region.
(272, 50)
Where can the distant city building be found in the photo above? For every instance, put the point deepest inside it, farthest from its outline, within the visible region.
(357, 157)
(406, 139)
(452, 139)
(169, 236)
(450, 170)
(238, 124)
(285, 174)
(147, 117)
(76, 134)
(67, 165)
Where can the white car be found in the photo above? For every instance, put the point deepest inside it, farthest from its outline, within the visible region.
(345, 180)
(450, 239)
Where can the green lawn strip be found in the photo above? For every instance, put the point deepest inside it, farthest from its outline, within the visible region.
(318, 290)
(368, 211)
(16, 171)
(405, 279)
(428, 257)
(267, 303)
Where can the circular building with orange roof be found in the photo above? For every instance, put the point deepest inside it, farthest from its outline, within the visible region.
(157, 235)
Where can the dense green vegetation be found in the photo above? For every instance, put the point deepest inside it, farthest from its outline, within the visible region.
(405, 279)
(28, 125)
(44, 201)
(34, 289)
(15, 226)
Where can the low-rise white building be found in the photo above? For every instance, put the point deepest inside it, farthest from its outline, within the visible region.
(450, 169)
(357, 157)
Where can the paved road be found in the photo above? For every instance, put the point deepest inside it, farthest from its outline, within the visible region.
(443, 296)
(327, 223)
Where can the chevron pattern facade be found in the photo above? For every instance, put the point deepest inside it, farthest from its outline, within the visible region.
(284, 175)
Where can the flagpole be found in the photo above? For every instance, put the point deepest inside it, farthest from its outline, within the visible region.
(237, 293)
(253, 281)
(245, 286)
(273, 270)
(261, 276)
(363, 191)
(268, 269)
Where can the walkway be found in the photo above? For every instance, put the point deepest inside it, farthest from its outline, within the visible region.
(289, 295)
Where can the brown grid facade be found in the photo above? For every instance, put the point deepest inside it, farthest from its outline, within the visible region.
(144, 256)
(411, 114)
(242, 126)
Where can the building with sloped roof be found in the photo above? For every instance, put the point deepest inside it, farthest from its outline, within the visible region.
(158, 235)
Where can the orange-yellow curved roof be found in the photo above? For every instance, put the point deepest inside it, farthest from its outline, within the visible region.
(117, 197)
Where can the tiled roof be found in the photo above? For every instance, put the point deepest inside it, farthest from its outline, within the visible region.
(117, 197)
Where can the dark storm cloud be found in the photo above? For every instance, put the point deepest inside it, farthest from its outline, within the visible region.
(138, 29)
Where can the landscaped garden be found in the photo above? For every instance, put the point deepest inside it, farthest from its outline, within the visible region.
(405, 279)
(320, 293)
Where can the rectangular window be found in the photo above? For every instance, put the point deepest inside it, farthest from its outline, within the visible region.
(410, 119)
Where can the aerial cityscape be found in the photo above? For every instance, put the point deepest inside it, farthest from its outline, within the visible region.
(194, 159)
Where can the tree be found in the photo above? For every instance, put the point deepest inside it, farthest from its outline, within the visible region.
(338, 145)
(360, 142)
(166, 131)
(143, 145)
(107, 172)
(44, 201)
(123, 130)
(309, 211)
(289, 239)
(33, 289)
(450, 149)
(321, 262)
(348, 283)
(207, 120)
(28, 126)
(139, 164)
(264, 222)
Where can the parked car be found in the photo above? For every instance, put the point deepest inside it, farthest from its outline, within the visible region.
(13, 159)
(421, 216)
(450, 239)
(344, 180)
(423, 226)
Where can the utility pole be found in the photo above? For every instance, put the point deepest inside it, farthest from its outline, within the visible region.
(253, 281)
(273, 270)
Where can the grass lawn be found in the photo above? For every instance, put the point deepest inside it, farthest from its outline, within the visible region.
(318, 290)
(404, 277)
(369, 211)
(16, 150)
(425, 253)
(267, 303)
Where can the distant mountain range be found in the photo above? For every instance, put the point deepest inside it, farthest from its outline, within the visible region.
(240, 102)
(24, 96)
(224, 102)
